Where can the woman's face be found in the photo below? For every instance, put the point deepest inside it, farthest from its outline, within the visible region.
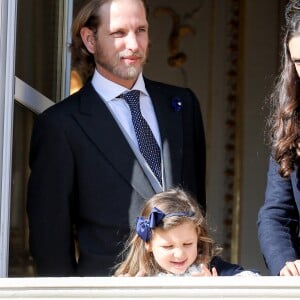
(174, 249)
(294, 47)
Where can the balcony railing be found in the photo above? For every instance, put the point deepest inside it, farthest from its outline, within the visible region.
(265, 287)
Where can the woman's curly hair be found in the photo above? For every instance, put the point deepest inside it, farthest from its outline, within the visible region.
(284, 120)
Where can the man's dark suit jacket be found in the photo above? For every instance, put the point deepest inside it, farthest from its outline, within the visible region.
(86, 179)
(278, 219)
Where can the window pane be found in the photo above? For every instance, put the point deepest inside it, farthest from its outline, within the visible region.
(38, 51)
(39, 57)
(20, 262)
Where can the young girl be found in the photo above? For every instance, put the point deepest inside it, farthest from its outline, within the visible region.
(171, 238)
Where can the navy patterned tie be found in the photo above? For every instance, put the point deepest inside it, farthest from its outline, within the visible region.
(146, 140)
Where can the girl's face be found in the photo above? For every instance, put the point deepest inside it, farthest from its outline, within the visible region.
(174, 249)
(294, 47)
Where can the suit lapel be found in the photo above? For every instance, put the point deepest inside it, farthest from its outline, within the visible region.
(170, 126)
(99, 125)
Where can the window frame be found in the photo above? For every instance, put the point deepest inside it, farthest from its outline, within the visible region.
(8, 10)
(13, 89)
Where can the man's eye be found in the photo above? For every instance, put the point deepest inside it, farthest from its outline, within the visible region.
(117, 33)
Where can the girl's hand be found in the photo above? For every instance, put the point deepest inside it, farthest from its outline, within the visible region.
(138, 274)
(206, 272)
(291, 268)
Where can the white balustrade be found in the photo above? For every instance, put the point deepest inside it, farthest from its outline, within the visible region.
(264, 287)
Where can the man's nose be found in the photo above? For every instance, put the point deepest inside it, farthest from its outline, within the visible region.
(131, 42)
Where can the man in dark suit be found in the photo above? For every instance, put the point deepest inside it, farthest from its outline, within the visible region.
(89, 174)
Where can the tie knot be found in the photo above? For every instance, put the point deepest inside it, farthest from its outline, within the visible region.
(132, 97)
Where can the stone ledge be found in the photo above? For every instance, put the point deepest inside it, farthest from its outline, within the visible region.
(264, 287)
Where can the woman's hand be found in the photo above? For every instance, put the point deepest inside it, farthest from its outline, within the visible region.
(291, 268)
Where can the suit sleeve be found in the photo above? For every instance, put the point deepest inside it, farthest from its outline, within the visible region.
(49, 199)
(225, 268)
(278, 221)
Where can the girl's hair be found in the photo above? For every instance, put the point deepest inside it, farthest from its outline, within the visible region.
(88, 16)
(284, 120)
(137, 258)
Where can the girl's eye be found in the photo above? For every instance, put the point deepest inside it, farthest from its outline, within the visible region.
(167, 246)
(188, 244)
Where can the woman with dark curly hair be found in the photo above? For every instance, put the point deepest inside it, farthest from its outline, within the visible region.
(278, 219)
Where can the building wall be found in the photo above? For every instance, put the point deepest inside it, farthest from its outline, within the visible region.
(261, 44)
(236, 167)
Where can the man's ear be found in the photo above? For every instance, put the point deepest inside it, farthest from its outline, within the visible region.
(88, 38)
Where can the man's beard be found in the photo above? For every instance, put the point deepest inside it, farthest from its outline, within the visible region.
(118, 69)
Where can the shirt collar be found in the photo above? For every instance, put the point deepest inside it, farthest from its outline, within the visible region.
(110, 90)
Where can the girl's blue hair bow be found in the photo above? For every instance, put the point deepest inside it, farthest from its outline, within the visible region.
(144, 226)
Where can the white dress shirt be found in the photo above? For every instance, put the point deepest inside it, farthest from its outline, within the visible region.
(109, 91)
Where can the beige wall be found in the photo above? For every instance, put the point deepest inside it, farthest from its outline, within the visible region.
(206, 72)
(261, 59)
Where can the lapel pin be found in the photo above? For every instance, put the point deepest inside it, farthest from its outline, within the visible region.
(176, 104)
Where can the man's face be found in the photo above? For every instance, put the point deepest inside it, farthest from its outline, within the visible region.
(121, 44)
